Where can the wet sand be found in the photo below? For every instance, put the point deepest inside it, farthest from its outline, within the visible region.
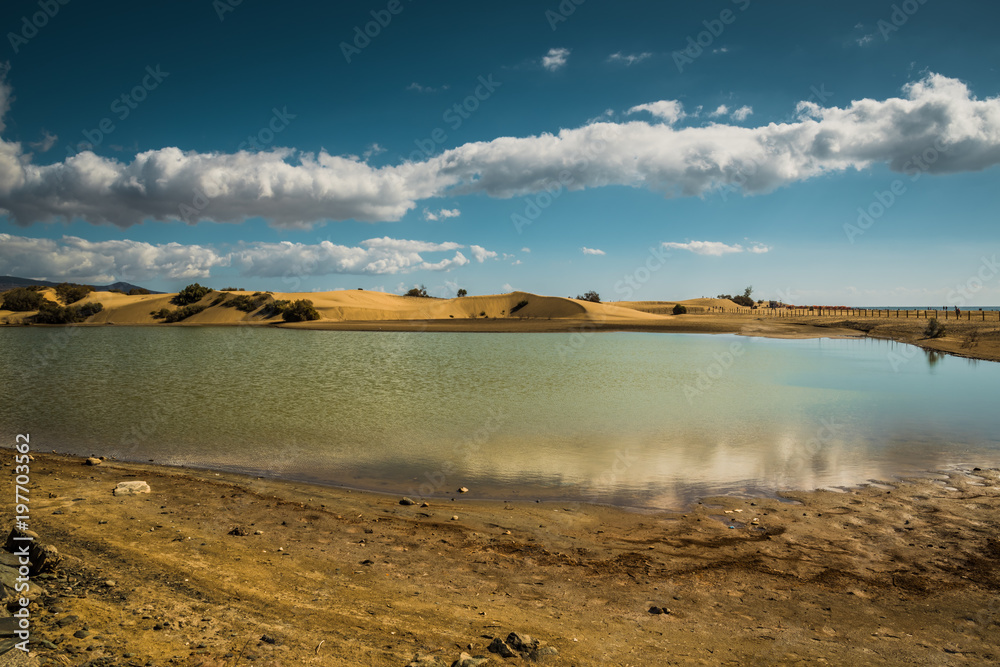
(894, 573)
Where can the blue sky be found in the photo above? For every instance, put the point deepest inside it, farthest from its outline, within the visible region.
(837, 153)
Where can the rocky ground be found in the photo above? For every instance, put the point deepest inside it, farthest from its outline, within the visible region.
(216, 570)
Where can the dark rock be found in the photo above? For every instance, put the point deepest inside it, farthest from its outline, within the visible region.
(368, 561)
(500, 647)
(81, 634)
(92, 461)
(522, 643)
(239, 531)
(658, 610)
(267, 639)
(407, 501)
(16, 538)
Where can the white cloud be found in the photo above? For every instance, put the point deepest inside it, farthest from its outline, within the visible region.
(480, 254)
(44, 144)
(525, 249)
(720, 110)
(555, 59)
(506, 287)
(629, 59)
(721, 49)
(291, 188)
(72, 258)
(592, 251)
(865, 40)
(441, 214)
(669, 111)
(715, 248)
(741, 114)
(373, 150)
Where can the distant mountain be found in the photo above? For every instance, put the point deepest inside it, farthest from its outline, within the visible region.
(10, 282)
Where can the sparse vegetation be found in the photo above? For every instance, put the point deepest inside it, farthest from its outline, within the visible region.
(971, 340)
(159, 314)
(72, 292)
(420, 291)
(740, 299)
(461, 293)
(115, 290)
(934, 329)
(482, 313)
(679, 309)
(590, 296)
(519, 306)
(300, 311)
(53, 313)
(246, 302)
(190, 294)
(22, 299)
(232, 289)
(138, 291)
(183, 313)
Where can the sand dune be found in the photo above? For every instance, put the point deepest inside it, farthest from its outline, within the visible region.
(359, 305)
(692, 305)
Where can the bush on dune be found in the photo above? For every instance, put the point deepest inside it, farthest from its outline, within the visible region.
(72, 292)
(182, 313)
(680, 310)
(53, 313)
(22, 299)
(247, 303)
(190, 294)
(300, 311)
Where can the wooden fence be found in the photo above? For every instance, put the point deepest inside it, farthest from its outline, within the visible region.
(971, 315)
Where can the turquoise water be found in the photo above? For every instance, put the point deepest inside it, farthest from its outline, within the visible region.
(627, 418)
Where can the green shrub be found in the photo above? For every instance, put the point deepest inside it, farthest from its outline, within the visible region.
(183, 313)
(417, 291)
(934, 329)
(519, 306)
(115, 290)
(300, 311)
(53, 313)
(679, 309)
(246, 302)
(72, 292)
(159, 314)
(138, 291)
(461, 293)
(232, 289)
(22, 299)
(276, 307)
(190, 294)
(590, 296)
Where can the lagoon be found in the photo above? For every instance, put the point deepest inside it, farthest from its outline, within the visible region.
(634, 419)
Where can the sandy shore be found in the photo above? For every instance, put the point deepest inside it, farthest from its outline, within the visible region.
(895, 573)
